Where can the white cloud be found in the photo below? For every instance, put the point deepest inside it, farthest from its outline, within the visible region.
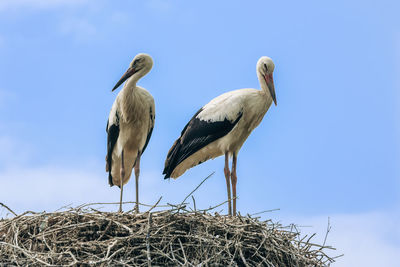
(49, 188)
(369, 239)
(80, 29)
(119, 17)
(160, 5)
(52, 187)
(38, 4)
(26, 187)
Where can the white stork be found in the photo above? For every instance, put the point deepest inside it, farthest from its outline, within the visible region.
(221, 127)
(129, 126)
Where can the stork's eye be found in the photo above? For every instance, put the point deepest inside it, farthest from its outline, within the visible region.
(266, 68)
(138, 60)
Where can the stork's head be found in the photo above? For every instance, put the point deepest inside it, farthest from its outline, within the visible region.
(140, 66)
(265, 69)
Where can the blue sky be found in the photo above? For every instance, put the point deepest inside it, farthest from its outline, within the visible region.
(330, 147)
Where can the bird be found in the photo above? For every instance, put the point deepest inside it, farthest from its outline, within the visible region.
(129, 126)
(221, 127)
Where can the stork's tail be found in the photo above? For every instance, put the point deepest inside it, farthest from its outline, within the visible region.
(172, 157)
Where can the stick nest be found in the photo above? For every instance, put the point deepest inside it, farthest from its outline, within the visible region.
(85, 236)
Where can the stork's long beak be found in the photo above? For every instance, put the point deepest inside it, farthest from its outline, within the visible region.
(124, 77)
(271, 87)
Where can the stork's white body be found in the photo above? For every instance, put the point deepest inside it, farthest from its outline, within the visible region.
(221, 127)
(135, 123)
(253, 103)
(129, 126)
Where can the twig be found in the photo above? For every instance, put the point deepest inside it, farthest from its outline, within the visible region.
(148, 240)
(257, 213)
(241, 256)
(194, 204)
(328, 229)
(151, 207)
(197, 187)
(183, 251)
(116, 203)
(155, 205)
(214, 207)
(10, 210)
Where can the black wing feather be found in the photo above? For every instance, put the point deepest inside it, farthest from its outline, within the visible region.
(196, 135)
(112, 137)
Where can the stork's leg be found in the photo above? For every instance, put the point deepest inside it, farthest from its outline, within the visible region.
(228, 184)
(122, 176)
(137, 172)
(234, 181)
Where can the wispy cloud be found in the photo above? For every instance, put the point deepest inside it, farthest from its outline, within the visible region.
(49, 188)
(24, 186)
(160, 6)
(367, 239)
(38, 4)
(80, 29)
(119, 17)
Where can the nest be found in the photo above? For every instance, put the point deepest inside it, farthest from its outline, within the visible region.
(170, 237)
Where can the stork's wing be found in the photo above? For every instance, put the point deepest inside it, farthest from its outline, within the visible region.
(112, 137)
(151, 126)
(198, 133)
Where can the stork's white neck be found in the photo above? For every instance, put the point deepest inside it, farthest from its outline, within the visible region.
(263, 84)
(131, 82)
(128, 97)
